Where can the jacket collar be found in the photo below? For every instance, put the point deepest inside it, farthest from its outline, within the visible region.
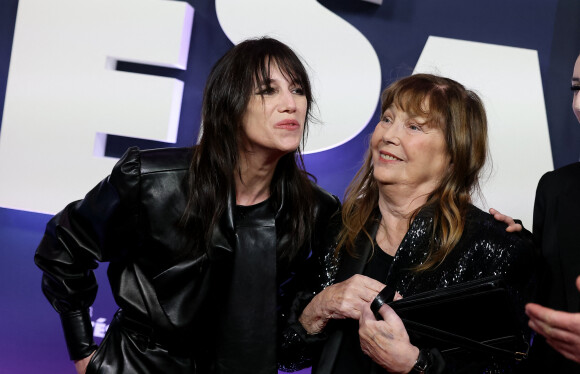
(223, 237)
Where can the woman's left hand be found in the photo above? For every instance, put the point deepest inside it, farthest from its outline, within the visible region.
(561, 329)
(512, 225)
(386, 342)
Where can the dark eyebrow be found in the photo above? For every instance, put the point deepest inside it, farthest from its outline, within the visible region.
(270, 81)
(575, 79)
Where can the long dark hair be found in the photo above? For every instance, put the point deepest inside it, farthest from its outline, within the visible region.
(211, 183)
(461, 116)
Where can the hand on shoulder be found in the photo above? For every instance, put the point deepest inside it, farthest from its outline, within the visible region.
(512, 225)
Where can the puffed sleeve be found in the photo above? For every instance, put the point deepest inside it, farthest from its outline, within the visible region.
(296, 347)
(97, 228)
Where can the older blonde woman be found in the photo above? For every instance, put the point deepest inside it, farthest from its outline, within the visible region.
(408, 222)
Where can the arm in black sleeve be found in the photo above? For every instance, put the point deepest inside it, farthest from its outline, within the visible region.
(86, 232)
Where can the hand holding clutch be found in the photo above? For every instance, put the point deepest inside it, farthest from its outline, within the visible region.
(386, 341)
(476, 316)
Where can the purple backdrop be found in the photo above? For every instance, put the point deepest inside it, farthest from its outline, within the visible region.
(31, 339)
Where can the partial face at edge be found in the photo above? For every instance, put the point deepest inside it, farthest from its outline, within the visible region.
(576, 84)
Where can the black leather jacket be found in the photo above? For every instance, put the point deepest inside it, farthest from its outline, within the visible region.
(168, 297)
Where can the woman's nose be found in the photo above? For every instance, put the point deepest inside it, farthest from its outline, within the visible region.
(391, 133)
(288, 102)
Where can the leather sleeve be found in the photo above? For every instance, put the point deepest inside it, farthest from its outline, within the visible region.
(86, 232)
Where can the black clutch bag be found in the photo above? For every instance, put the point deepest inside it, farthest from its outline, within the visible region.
(476, 316)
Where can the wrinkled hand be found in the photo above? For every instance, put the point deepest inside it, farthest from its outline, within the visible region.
(561, 329)
(81, 365)
(342, 300)
(387, 342)
(512, 225)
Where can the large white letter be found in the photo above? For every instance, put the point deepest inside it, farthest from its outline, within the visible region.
(343, 66)
(63, 94)
(508, 81)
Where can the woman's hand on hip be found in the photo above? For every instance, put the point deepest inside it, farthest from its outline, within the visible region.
(81, 365)
(342, 300)
(386, 342)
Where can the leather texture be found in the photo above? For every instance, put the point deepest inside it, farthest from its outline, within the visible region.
(485, 249)
(169, 298)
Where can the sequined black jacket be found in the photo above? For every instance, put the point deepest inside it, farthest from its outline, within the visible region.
(169, 296)
(485, 249)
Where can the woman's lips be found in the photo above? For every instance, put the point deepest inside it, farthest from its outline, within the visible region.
(389, 157)
(288, 124)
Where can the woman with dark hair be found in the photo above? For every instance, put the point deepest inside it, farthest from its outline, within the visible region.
(408, 222)
(556, 314)
(204, 244)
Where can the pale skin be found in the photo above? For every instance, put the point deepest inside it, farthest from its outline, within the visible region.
(273, 126)
(576, 83)
(408, 159)
(561, 329)
(81, 365)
